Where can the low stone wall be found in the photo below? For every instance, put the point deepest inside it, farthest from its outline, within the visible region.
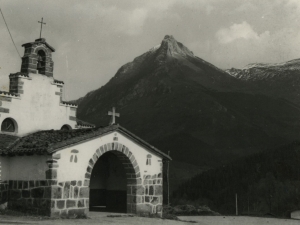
(46, 197)
(3, 192)
(70, 199)
(30, 196)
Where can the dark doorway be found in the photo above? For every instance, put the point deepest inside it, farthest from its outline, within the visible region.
(108, 185)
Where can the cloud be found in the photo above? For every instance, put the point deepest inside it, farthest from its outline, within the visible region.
(125, 20)
(240, 45)
(238, 31)
(133, 21)
(246, 6)
(161, 5)
(293, 3)
(7, 62)
(97, 37)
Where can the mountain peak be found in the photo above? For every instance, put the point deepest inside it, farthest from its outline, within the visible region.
(169, 37)
(174, 47)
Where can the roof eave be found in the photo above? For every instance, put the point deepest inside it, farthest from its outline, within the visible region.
(144, 143)
(31, 43)
(93, 136)
(123, 131)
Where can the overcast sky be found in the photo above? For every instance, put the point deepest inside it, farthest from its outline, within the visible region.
(93, 39)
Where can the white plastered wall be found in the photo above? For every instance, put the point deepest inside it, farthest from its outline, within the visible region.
(39, 108)
(28, 167)
(76, 171)
(4, 168)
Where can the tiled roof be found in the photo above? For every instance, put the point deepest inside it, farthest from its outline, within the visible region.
(68, 103)
(84, 124)
(9, 94)
(17, 74)
(58, 81)
(49, 141)
(6, 141)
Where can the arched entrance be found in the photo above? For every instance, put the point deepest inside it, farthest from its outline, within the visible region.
(108, 184)
(115, 182)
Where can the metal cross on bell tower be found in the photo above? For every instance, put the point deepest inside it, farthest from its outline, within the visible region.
(41, 27)
(113, 115)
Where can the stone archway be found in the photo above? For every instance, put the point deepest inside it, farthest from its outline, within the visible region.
(135, 190)
(108, 184)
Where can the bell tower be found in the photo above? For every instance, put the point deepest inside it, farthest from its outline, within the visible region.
(38, 58)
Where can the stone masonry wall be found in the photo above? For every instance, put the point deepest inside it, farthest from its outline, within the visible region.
(32, 196)
(3, 192)
(146, 196)
(46, 197)
(70, 199)
(153, 195)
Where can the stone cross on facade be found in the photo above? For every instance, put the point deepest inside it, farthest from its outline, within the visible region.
(41, 27)
(113, 115)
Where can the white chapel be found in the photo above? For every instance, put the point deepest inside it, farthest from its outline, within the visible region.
(56, 165)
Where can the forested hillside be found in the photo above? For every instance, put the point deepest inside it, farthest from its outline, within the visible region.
(267, 182)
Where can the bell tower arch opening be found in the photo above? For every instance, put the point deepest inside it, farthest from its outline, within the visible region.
(38, 58)
(41, 62)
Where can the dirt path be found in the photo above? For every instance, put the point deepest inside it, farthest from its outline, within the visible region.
(119, 219)
(95, 218)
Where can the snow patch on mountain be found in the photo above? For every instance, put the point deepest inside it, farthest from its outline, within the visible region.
(264, 71)
(154, 48)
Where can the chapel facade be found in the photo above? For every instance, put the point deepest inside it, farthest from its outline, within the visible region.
(56, 165)
(35, 97)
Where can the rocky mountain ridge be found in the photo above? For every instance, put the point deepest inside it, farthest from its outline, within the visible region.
(279, 79)
(179, 102)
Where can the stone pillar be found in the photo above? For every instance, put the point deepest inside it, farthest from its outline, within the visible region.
(70, 199)
(51, 176)
(51, 173)
(16, 84)
(149, 195)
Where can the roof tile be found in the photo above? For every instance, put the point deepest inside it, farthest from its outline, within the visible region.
(6, 141)
(49, 141)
